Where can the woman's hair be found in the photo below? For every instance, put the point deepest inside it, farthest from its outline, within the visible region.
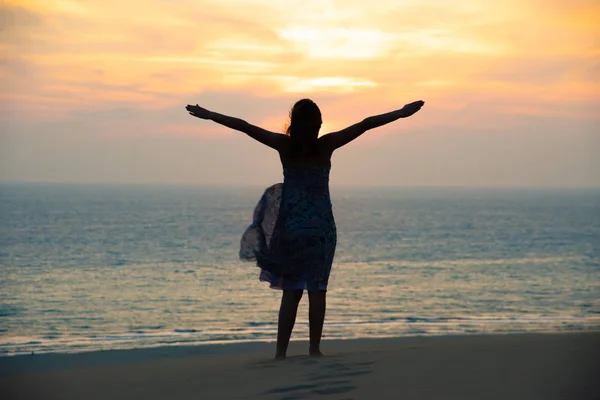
(304, 110)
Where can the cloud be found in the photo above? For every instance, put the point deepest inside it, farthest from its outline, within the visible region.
(543, 70)
(15, 18)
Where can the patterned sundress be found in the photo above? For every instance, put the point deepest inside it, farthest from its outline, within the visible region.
(293, 235)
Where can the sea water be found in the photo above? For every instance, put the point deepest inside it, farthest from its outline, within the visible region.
(91, 267)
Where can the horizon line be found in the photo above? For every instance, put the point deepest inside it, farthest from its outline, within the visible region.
(264, 185)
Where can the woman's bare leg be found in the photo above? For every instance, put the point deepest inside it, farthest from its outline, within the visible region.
(287, 318)
(316, 318)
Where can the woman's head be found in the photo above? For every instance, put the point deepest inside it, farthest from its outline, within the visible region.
(305, 121)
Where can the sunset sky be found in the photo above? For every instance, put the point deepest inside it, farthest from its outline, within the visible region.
(95, 90)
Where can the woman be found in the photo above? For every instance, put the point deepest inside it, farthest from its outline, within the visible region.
(293, 236)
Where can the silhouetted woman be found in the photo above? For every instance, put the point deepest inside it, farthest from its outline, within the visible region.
(293, 234)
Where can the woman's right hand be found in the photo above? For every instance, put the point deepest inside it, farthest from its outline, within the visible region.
(412, 108)
(198, 111)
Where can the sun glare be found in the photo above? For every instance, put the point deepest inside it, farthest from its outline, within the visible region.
(341, 43)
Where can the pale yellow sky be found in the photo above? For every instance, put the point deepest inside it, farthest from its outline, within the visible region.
(94, 90)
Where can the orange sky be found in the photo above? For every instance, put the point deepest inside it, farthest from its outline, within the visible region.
(105, 65)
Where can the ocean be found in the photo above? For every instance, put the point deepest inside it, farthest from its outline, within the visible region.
(88, 267)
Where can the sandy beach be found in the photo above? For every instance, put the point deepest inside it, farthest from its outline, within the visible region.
(515, 366)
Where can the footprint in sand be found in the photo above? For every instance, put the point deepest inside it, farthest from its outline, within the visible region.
(328, 379)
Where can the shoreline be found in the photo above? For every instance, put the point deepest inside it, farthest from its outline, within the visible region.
(146, 343)
(159, 347)
(225, 347)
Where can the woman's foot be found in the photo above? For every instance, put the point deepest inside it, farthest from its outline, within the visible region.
(315, 353)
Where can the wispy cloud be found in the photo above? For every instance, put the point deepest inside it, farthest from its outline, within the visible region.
(68, 55)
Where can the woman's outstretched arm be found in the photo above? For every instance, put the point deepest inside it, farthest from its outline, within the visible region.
(268, 138)
(338, 139)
